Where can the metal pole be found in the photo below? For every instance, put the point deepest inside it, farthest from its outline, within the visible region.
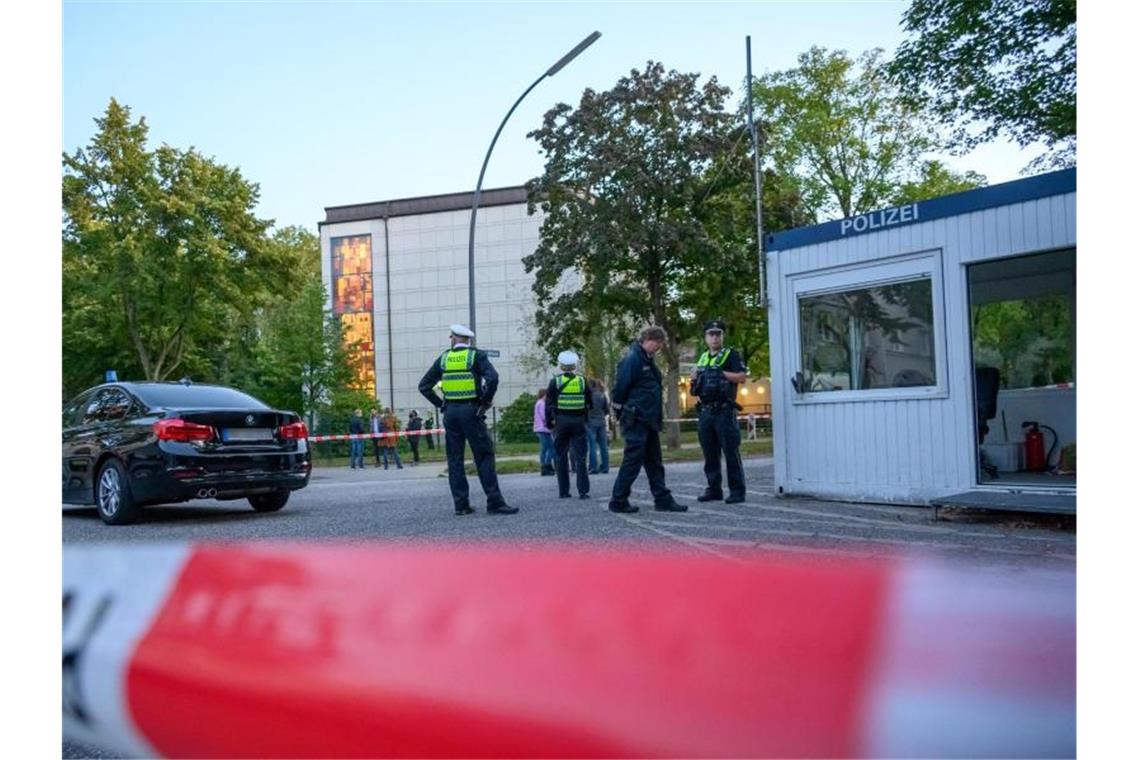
(479, 185)
(388, 309)
(759, 180)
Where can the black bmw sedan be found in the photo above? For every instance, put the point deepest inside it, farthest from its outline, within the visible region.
(127, 445)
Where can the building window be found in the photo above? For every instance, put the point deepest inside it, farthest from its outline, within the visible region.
(352, 302)
(869, 332)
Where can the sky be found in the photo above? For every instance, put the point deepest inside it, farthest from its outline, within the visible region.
(326, 104)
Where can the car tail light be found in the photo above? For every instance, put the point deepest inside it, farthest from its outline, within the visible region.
(293, 432)
(176, 429)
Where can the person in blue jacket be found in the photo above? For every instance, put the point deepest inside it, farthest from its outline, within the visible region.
(637, 399)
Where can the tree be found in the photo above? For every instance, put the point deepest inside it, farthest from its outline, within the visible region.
(626, 177)
(301, 361)
(162, 256)
(990, 67)
(836, 130)
(935, 180)
(731, 291)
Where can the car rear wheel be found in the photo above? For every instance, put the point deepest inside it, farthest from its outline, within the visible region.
(113, 495)
(269, 502)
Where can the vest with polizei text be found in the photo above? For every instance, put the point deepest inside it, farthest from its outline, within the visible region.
(458, 381)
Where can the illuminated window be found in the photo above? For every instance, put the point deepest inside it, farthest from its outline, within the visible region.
(352, 302)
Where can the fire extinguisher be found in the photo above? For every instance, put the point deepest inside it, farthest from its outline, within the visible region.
(1036, 459)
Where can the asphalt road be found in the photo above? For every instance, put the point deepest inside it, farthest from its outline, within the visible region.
(413, 504)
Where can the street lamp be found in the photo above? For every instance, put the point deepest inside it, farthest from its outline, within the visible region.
(479, 185)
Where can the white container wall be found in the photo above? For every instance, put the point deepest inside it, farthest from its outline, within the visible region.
(898, 443)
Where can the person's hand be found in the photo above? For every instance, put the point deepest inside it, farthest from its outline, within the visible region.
(693, 375)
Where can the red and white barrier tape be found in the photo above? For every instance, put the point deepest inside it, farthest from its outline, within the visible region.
(264, 650)
(366, 436)
(739, 418)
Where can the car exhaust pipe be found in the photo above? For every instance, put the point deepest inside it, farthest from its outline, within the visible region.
(207, 493)
(202, 493)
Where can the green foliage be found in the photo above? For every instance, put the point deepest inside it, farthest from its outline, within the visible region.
(629, 196)
(516, 422)
(300, 360)
(935, 180)
(837, 132)
(1029, 340)
(334, 418)
(990, 67)
(162, 258)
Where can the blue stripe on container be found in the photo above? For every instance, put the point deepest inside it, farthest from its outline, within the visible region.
(1017, 191)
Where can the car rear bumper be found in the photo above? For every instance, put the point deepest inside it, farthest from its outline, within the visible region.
(229, 478)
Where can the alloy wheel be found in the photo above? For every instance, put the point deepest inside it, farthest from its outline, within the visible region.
(110, 491)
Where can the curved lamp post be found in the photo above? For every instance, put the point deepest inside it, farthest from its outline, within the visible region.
(479, 185)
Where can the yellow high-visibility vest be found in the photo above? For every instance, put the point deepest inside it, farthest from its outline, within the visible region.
(572, 394)
(458, 381)
(716, 362)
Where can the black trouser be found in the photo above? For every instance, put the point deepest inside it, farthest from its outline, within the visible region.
(570, 435)
(642, 449)
(718, 431)
(463, 424)
(414, 442)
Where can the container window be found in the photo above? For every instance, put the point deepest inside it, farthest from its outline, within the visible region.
(868, 338)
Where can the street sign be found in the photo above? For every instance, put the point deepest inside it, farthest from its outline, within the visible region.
(492, 352)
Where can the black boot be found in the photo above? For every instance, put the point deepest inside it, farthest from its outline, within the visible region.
(671, 506)
(622, 506)
(710, 495)
(501, 509)
(734, 498)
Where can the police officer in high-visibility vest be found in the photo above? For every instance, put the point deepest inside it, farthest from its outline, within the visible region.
(568, 399)
(469, 383)
(719, 370)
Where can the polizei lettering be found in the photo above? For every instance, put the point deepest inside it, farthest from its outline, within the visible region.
(878, 219)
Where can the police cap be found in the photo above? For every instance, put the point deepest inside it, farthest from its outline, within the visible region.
(461, 331)
(714, 324)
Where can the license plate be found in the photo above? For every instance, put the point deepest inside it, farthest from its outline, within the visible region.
(247, 434)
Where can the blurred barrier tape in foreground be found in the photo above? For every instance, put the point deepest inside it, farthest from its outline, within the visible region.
(287, 650)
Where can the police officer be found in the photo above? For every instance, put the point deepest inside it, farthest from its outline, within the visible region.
(719, 370)
(637, 398)
(568, 398)
(469, 383)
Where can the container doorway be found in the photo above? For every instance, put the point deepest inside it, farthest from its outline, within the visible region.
(1023, 321)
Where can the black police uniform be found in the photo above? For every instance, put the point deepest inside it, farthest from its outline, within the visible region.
(569, 426)
(638, 390)
(465, 422)
(718, 429)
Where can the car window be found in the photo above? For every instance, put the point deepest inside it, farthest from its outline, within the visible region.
(73, 413)
(107, 405)
(178, 396)
(115, 405)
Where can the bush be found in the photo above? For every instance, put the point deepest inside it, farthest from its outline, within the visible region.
(333, 420)
(516, 422)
